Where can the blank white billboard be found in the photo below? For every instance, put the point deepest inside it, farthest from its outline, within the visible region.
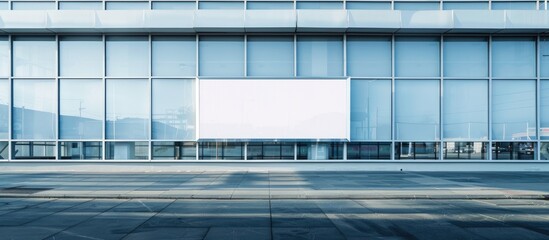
(273, 109)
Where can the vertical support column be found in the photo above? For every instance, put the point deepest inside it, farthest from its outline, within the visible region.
(393, 127)
(489, 147)
(538, 99)
(441, 99)
(57, 91)
(104, 80)
(150, 98)
(10, 95)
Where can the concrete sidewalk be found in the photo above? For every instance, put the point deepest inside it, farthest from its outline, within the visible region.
(277, 185)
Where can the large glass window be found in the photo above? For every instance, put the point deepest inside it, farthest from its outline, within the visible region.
(35, 5)
(81, 5)
(270, 56)
(544, 56)
(127, 5)
(127, 109)
(464, 150)
(319, 151)
(33, 150)
(465, 57)
(34, 56)
(518, 5)
(221, 5)
(319, 56)
(412, 6)
(513, 109)
(4, 108)
(174, 56)
(368, 56)
(221, 150)
(81, 109)
(465, 109)
(369, 5)
(513, 57)
(268, 5)
(174, 109)
(371, 109)
(465, 6)
(544, 106)
(174, 150)
(270, 150)
(417, 109)
(417, 150)
(544, 151)
(127, 151)
(221, 56)
(368, 151)
(81, 56)
(319, 5)
(127, 56)
(417, 57)
(514, 151)
(80, 150)
(169, 5)
(4, 150)
(4, 6)
(4, 57)
(34, 109)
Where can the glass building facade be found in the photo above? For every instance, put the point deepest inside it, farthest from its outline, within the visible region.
(414, 95)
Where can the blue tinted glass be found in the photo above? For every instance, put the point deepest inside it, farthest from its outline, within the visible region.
(81, 56)
(127, 109)
(127, 56)
(4, 105)
(4, 6)
(34, 56)
(544, 112)
(4, 57)
(417, 57)
(33, 5)
(34, 107)
(221, 5)
(465, 5)
(369, 5)
(174, 5)
(80, 5)
(270, 5)
(513, 5)
(319, 5)
(81, 109)
(270, 56)
(513, 109)
(319, 56)
(174, 56)
(127, 150)
(513, 57)
(544, 57)
(370, 109)
(417, 6)
(417, 110)
(465, 110)
(368, 56)
(127, 5)
(221, 56)
(465, 57)
(174, 109)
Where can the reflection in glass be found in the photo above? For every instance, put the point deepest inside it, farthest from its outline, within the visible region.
(368, 5)
(174, 113)
(270, 56)
(127, 150)
(368, 56)
(319, 5)
(80, 150)
(368, 151)
(513, 57)
(81, 56)
(464, 150)
(544, 56)
(4, 108)
(81, 5)
(319, 151)
(417, 109)
(465, 6)
(4, 150)
(516, 5)
(544, 151)
(34, 109)
(127, 56)
(544, 109)
(513, 109)
(465, 109)
(169, 5)
(127, 5)
(34, 56)
(319, 56)
(270, 151)
(33, 150)
(269, 5)
(514, 151)
(221, 56)
(174, 150)
(417, 57)
(174, 56)
(221, 150)
(127, 109)
(414, 6)
(81, 109)
(34, 5)
(465, 57)
(232, 5)
(417, 150)
(4, 57)
(370, 109)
